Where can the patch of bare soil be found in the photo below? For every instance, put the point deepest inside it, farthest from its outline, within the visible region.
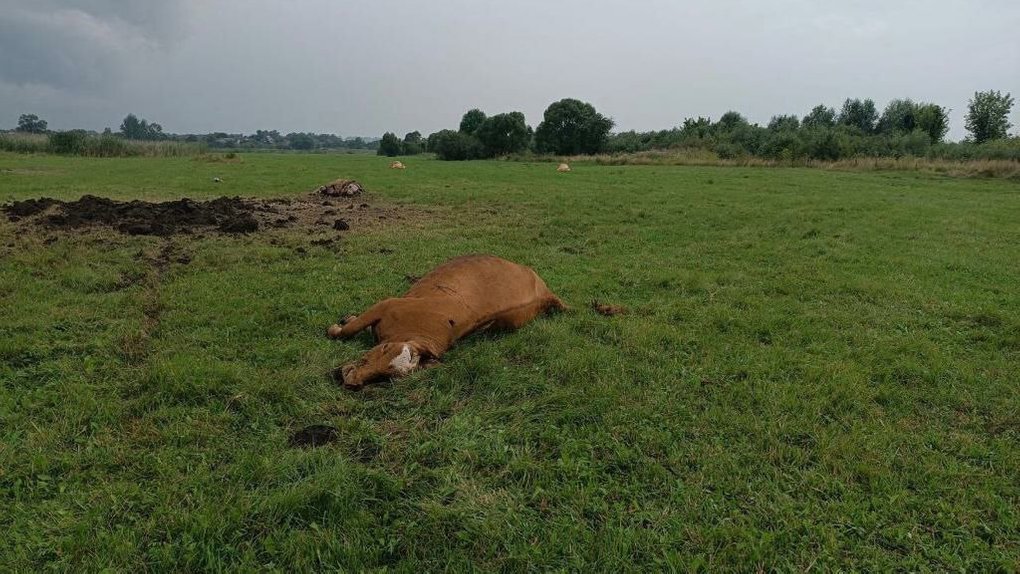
(313, 436)
(228, 215)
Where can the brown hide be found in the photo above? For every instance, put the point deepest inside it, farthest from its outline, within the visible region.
(459, 297)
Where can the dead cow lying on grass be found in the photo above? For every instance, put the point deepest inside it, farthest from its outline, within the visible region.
(342, 188)
(461, 296)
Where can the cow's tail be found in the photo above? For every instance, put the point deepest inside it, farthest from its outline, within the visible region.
(556, 304)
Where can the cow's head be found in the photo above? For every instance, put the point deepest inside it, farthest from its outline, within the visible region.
(381, 362)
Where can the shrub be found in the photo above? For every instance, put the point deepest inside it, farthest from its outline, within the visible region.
(72, 142)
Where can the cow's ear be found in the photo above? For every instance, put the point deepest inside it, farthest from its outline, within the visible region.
(426, 351)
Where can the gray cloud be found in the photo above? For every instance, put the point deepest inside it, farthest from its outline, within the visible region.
(83, 44)
(368, 67)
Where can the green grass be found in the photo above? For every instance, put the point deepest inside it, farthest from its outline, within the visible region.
(818, 371)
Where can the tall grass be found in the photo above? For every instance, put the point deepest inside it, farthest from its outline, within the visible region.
(18, 142)
(90, 145)
(996, 168)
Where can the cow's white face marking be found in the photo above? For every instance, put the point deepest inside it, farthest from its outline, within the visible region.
(406, 361)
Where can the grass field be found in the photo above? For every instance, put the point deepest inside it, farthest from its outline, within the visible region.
(818, 370)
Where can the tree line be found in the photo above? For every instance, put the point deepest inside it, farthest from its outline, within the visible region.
(572, 127)
(139, 129)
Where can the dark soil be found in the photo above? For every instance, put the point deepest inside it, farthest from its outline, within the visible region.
(29, 207)
(229, 215)
(313, 436)
(225, 214)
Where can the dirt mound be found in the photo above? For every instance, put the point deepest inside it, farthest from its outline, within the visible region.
(312, 213)
(29, 207)
(342, 188)
(225, 214)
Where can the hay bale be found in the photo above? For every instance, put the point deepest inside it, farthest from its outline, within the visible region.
(397, 165)
(342, 188)
(563, 168)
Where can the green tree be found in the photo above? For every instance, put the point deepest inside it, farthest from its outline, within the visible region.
(412, 144)
(784, 124)
(30, 123)
(133, 128)
(471, 121)
(699, 128)
(504, 134)
(932, 120)
(571, 127)
(860, 114)
(301, 141)
(454, 145)
(820, 117)
(988, 116)
(390, 145)
(730, 121)
(899, 117)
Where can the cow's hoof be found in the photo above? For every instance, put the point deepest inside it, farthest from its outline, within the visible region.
(342, 376)
(334, 331)
(348, 319)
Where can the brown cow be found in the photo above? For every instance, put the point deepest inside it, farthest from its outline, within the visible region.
(463, 295)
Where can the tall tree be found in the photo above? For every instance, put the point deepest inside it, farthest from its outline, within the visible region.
(932, 120)
(133, 128)
(390, 145)
(899, 117)
(412, 144)
(570, 127)
(784, 123)
(31, 123)
(860, 114)
(988, 116)
(730, 121)
(820, 117)
(471, 121)
(504, 134)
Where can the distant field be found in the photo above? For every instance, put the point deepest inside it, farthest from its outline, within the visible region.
(818, 370)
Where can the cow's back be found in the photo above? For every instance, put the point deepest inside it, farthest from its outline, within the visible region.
(484, 283)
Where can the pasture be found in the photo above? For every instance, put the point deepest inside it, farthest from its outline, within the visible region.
(817, 370)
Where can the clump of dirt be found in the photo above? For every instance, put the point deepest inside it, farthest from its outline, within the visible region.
(342, 188)
(313, 213)
(226, 214)
(29, 207)
(313, 436)
(607, 310)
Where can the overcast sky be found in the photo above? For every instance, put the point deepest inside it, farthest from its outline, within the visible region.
(365, 67)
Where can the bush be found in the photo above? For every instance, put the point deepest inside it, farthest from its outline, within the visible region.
(73, 142)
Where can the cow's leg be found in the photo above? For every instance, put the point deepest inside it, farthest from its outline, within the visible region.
(357, 323)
